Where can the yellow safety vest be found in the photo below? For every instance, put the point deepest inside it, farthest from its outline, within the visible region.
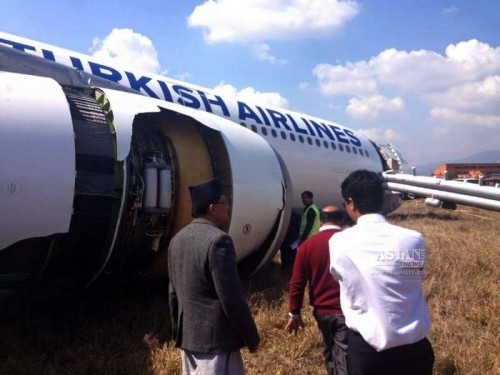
(303, 221)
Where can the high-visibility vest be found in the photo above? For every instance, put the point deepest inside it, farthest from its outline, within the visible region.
(303, 221)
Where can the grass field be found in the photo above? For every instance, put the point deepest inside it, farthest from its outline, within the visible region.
(124, 328)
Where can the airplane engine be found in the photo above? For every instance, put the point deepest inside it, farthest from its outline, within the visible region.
(96, 180)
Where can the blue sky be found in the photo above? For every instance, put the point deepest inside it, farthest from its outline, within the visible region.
(423, 75)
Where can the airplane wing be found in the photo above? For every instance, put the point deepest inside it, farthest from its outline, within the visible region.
(440, 192)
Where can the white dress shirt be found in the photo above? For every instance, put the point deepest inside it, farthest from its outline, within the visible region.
(380, 268)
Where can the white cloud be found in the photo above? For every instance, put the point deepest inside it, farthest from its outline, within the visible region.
(411, 71)
(465, 78)
(449, 10)
(482, 96)
(427, 71)
(260, 20)
(184, 76)
(374, 106)
(405, 143)
(262, 51)
(351, 79)
(474, 59)
(464, 118)
(249, 94)
(304, 86)
(124, 47)
(382, 136)
(450, 99)
(375, 134)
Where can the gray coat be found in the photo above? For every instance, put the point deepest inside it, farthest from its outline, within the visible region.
(207, 306)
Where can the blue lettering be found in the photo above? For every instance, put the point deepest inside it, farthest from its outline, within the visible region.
(185, 97)
(278, 118)
(217, 101)
(354, 140)
(49, 55)
(311, 131)
(77, 64)
(244, 112)
(339, 134)
(19, 46)
(295, 126)
(105, 72)
(263, 114)
(166, 92)
(141, 83)
(322, 128)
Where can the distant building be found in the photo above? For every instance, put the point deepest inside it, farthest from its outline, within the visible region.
(466, 170)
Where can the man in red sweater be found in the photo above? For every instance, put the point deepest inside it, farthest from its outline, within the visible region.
(312, 265)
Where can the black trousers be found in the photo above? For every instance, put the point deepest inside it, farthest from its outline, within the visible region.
(335, 334)
(411, 359)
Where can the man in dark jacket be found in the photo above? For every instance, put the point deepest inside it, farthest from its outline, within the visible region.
(210, 317)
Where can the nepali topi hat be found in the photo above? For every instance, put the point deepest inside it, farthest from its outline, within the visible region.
(205, 192)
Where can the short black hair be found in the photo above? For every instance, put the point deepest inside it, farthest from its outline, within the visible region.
(365, 189)
(307, 193)
(202, 209)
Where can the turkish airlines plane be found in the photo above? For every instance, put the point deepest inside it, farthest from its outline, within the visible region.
(95, 162)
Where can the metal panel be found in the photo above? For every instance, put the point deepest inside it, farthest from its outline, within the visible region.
(37, 158)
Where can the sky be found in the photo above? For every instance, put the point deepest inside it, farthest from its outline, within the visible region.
(423, 75)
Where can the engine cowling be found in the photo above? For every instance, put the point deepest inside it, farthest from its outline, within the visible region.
(98, 179)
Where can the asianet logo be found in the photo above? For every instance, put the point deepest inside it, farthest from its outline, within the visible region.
(412, 258)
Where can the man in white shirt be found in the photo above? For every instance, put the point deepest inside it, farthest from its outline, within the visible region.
(380, 268)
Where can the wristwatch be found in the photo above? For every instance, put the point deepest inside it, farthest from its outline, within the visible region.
(293, 316)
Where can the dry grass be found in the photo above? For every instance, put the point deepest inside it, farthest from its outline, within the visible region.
(124, 329)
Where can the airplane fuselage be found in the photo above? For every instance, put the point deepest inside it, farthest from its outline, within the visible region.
(309, 145)
(97, 160)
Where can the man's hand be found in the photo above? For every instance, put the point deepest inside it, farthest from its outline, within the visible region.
(294, 324)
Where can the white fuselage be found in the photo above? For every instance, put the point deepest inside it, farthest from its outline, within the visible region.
(318, 153)
(99, 159)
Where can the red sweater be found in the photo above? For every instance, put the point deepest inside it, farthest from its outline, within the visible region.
(312, 265)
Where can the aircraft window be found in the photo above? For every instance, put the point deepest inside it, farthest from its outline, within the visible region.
(301, 139)
(243, 124)
(292, 137)
(366, 153)
(355, 150)
(333, 146)
(325, 143)
(254, 128)
(348, 149)
(274, 133)
(361, 152)
(264, 130)
(309, 140)
(341, 147)
(318, 143)
(283, 135)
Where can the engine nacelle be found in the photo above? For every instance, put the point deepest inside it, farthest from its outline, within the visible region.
(98, 180)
